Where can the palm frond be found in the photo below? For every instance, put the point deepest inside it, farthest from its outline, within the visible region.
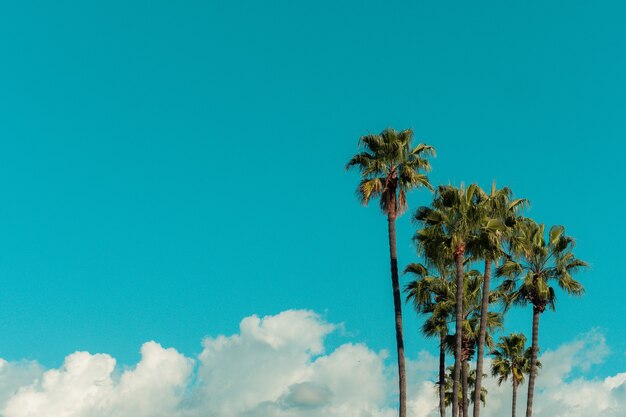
(510, 269)
(368, 189)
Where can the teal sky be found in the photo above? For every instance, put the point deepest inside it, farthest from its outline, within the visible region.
(167, 169)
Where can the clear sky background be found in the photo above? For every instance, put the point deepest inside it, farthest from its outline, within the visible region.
(167, 169)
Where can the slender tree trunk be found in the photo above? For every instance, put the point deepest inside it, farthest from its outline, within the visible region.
(397, 304)
(459, 254)
(513, 411)
(484, 311)
(533, 364)
(465, 390)
(442, 375)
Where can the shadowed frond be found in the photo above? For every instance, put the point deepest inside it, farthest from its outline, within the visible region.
(368, 189)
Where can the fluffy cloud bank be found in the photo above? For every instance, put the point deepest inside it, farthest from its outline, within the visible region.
(277, 366)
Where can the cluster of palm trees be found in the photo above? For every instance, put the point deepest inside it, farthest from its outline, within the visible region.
(462, 228)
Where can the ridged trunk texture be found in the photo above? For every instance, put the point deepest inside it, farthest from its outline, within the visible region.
(484, 309)
(533, 364)
(397, 304)
(514, 411)
(442, 375)
(459, 254)
(465, 390)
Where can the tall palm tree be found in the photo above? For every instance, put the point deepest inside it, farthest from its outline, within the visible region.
(499, 215)
(541, 262)
(512, 359)
(448, 225)
(433, 295)
(389, 168)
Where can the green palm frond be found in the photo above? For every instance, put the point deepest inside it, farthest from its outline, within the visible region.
(416, 269)
(422, 150)
(543, 260)
(511, 359)
(368, 189)
(555, 234)
(510, 269)
(390, 168)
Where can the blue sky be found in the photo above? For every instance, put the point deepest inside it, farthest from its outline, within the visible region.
(167, 170)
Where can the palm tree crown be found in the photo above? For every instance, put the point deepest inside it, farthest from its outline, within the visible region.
(452, 220)
(390, 168)
(541, 261)
(511, 359)
(497, 215)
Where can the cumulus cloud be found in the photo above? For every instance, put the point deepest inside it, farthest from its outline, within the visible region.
(274, 366)
(14, 375)
(277, 366)
(86, 386)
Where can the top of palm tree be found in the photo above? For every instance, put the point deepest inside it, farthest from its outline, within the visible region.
(390, 168)
(511, 359)
(541, 261)
(450, 222)
(499, 214)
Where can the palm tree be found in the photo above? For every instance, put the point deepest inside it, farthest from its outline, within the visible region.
(499, 215)
(436, 295)
(448, 226)
(512, 359)
(472, 295)
(541, 261)
(433, 295)
(390, 168)
(471, 380)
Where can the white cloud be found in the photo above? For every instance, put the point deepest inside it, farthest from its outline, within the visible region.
(86, 386)
(272, 363)
(14, 375)
(277, 366)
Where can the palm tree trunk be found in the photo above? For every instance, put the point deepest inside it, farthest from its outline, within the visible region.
(481, 336)
(533, 363)
(513, 411)
(442, 375)
(465, 389)
(397, 304)
(459, 254)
